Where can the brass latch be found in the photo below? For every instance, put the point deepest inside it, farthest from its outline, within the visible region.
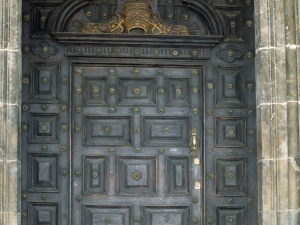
(194, 143)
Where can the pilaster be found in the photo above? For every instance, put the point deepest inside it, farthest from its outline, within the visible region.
(278, 89)
(10, 99)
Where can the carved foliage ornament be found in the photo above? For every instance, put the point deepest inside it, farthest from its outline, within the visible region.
(137, 16)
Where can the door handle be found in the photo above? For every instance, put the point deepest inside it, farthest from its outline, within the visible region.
(194, 143)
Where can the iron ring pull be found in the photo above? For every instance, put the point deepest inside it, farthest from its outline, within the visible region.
(194, 143)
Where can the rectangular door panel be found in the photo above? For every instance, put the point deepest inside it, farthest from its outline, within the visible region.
(166, 215)
(95, 215)
(107, 131)
(165, 131)
(137, 91)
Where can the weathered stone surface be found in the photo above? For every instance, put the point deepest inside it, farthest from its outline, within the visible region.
(10, 98)
(278, 81)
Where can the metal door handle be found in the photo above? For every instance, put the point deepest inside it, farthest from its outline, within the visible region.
(194, 143)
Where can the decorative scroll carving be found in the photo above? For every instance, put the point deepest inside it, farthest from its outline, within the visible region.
(113, 26)
(136, 15)
(160, 27)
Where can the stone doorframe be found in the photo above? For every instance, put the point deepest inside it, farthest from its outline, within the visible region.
(277, 90)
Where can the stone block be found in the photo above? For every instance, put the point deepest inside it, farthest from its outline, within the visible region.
(13, 218)
(3, 82)
(10, 23)
(264, 144)
(289, 217)
(1, 185)
(293, 128)
(281, 184)
(279, 75)
(2, 128)
(11, 186)
(262, 23)
(13, 73)
(267, 217)
(266, 187)
(280, 136)
(13, 132)
(276, 23)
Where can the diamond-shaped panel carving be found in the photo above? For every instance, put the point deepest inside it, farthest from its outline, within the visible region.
(231, 132)
(230, 91)
(232, 179)
(137, 175)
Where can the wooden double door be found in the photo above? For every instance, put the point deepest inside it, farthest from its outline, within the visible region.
(118, 148)
(138, 129)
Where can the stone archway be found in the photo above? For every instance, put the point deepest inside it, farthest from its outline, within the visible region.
(277, 90)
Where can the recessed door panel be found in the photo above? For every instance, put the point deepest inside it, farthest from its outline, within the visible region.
(107, 131)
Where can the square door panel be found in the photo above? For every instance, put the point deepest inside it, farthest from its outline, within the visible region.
(110, 215)
(95, 91)
(231, 132)
(42, 174)
(45, 82)
(94, 174)
(42, 213)
(137, 175)
(107, 131)
(231, 215)
(137, 91)
(43, 128)
(232, 179)
(230, 91)
(232, 33)
(166, 215)
(178, 92)
(165, 131)
(41, 21)
(178, 175)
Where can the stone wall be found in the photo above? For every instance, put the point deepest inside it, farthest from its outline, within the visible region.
(10, 100)
(278, 92)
